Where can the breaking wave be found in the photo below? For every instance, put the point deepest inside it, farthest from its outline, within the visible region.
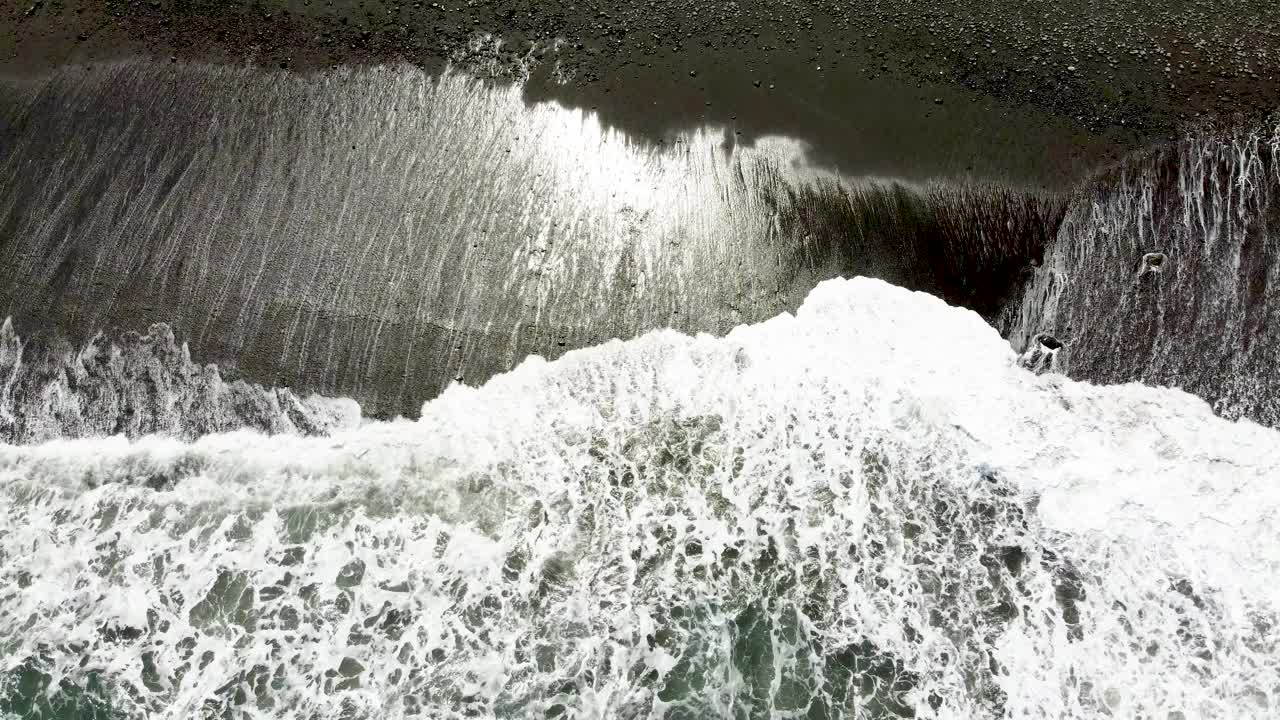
(138, 385)
(867, 509)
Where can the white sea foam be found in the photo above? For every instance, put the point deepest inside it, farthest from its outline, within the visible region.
(865, 508)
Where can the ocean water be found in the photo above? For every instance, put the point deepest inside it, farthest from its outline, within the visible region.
(867, 509)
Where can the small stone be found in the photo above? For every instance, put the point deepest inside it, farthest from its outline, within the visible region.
(1152, 264)
(1041, 356)
(1050, 342)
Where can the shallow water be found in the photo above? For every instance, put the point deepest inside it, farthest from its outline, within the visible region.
(865, 510)
(377, 233)
(1165, 272)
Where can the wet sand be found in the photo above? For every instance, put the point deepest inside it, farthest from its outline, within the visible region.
(1035, 95)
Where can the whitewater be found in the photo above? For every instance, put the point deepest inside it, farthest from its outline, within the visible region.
(867, 509)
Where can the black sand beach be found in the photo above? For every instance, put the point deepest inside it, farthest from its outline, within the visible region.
(1034, 93)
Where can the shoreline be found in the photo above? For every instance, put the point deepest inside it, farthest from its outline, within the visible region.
(920, 92)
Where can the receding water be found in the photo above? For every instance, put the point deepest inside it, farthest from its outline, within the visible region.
(377, 233)
(865, 510)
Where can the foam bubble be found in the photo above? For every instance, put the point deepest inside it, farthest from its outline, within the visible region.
(868, 509)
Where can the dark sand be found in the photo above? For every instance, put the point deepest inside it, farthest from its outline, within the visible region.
(1034, 92)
